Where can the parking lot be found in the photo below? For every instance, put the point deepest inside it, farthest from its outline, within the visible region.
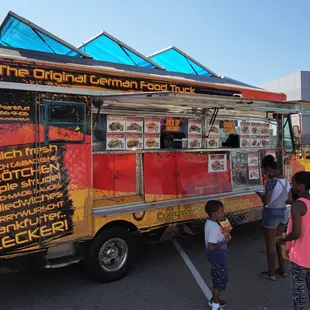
(160, 280)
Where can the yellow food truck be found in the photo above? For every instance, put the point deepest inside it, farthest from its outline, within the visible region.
(94, 154)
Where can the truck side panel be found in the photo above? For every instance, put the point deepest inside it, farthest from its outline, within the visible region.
(44, 180)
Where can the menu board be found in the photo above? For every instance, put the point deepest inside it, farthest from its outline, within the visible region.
(134, 124)
(254, 135)
(194, 141)
(152, 125)
(116, 123)
(115, 141)
(151, 141)
(134, 141)
(217, 163)
(194, 133)
(253, 164)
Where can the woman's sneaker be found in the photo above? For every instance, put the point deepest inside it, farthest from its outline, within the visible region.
(222, 303)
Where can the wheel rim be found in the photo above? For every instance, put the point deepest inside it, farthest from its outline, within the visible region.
(113, 255)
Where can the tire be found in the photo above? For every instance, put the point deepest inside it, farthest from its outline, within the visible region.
(111, 245)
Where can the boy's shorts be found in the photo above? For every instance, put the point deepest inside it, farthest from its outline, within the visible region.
(272, 217)
(219, 275)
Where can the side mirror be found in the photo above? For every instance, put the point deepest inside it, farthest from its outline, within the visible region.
(296, 137)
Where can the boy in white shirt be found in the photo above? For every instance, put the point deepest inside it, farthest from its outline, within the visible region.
(216, 245)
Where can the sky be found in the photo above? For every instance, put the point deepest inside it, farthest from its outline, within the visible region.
(251, 41)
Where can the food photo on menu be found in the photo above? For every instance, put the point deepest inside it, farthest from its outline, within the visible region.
(212, 143)
(217, 162)
(245, 141)
(151, 141)
(255, 141)
(134, 141)
(152, 125)
(115, 141)
(134, 124)
(116, 123)
(194, 126)
(255, 129)
(194, 141)
(245, 128)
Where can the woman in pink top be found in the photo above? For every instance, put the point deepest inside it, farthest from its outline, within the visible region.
(298, 239)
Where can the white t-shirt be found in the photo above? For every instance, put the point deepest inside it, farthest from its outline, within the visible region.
(213, 233)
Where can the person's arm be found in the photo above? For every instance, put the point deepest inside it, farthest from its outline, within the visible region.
(266, 198)
(214, 246)
(269, 187)
(299, 209)
(289, 200)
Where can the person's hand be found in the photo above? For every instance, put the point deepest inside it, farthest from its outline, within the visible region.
(227, 237)
(280, 240)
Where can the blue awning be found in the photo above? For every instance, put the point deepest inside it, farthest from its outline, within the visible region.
(104, 47)
(175, 60)
(18, 32)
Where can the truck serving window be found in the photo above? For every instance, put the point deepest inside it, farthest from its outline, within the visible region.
(65, 122)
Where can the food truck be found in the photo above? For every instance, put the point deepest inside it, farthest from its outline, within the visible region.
(94, 155)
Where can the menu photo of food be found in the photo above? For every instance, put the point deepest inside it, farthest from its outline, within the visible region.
(255, 141)
(253, 160)
(245, 141)
(194, 126)
(264, 130)
(115, 141)
(255, 129)
(265, 141)
(151, 141)
(115, 123)
(212, 143)
(134, 124)
(152, 125)
(214, 130)
(134, 141)
(254, 173)
(194, 141)
(217, 163)
(245, 128)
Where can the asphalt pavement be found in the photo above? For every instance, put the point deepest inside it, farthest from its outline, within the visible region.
(159, 280)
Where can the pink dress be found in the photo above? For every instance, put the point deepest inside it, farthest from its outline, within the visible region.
(299, 250)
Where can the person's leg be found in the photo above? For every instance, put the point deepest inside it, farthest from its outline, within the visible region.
(270, 239)
(281, 270)
(298, 286)
(308, 281)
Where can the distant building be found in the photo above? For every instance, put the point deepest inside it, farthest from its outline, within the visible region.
(296, 86)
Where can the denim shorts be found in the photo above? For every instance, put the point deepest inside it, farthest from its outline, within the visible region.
(273, 217)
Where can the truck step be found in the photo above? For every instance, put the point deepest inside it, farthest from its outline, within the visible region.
(62, 262)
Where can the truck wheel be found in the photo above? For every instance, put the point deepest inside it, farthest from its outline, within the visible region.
(111, 254)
